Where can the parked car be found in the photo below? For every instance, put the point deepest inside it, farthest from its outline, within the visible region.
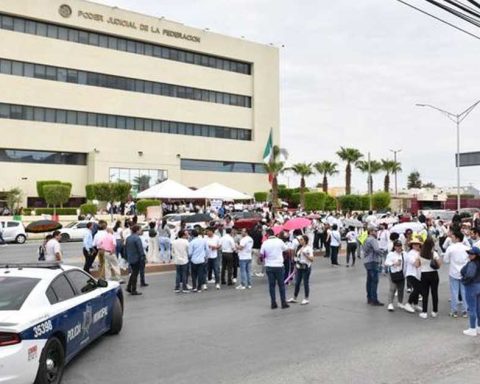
(74, 231)
(13, 231)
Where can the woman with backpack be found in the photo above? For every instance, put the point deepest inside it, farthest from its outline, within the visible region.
(471, 279)
(395, 261)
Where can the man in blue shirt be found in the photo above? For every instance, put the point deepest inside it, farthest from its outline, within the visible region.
(88, 249)
(197, 253)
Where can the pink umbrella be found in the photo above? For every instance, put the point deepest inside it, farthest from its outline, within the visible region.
(297, 223)
(277, 229)
(313, 216)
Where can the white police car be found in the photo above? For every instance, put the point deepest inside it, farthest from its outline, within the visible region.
(48, 314)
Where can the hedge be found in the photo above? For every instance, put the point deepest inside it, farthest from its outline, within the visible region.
(365, 200)
(88, 208)
(315, 201)
(90, 191)
(295, 198)
(381, 200)
(260, 196)
(59, 211)
(350, 202)
(330, 203)
(143, 204)
(42, 183)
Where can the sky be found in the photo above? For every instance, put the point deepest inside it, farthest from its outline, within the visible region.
(351, 73)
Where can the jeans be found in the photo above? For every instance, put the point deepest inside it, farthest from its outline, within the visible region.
(132, 281)
(198, 276)
(334, 254)
(245, 272)
(472, 294)
(164, 245)
(214, 268)
(455, 287)
(2, 241)
(399, 286)
(227, 267)
(302, 274)
(275, 276)
(119, 248)
(372, 281)
(351, 250)
(181, 276)
(429, 283)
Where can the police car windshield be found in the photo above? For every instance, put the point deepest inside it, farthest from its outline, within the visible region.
(14, 291)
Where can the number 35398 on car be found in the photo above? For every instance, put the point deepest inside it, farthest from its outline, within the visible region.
(48, 314)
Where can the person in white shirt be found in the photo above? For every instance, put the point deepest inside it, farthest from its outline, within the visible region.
(413, 274)
(395, 261)
(335, 242)
(383, 240)
(371, 219)
(53, 251)
(303, 267)
(180, 259)
(228, 247)
(351, 245)
(213, 243)
(475, 236)
(244, 249)
(272, 252)
(429, 263)
(456, 255)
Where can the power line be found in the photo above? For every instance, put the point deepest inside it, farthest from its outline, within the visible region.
(474, 3)
(454, 12)
(463, 7)
(439, 19)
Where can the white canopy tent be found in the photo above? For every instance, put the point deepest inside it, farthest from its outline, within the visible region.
(167, 189)
(220, 192)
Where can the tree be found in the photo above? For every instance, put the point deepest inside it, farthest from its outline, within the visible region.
(111, 192)
(381, 200)
(274, 168)
(389, 166)
(414, 180)
(428, 185)
(121, 191)
(326, 168)
(141, 183)
(14, 198)
(303, 170)
(56, 194)
(375, 167)
(349, 155)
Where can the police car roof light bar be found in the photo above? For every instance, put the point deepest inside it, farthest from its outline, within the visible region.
(43, 264)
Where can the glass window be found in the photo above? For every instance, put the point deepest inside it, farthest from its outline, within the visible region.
(40, 71)
(211, 96)
(52, 31)
(62, 288)
(122, 44)
(111, 121)
(50, 115)
(39, 114)
(19, 25)
(166, 127)
(204, 60)
(157, 89)
(31, 27)
(82, 283)
(173, 127)
(51, 296)
(4, 111)
(73, 35)
(181, 128)
(139, 124)
(28, 113)
(61, 116)
(139, 48)
(14, 291)
(83, 37)
(82, 118)
(112, 42)
(62, 33)
(212, 62)
(103, 41)
(92, 119)
(157, 126)
(148, 87)
(148, 49)
(148, 125)
(197, 131)
(28, 69)
(72, 76)
(121, 122)
(93, 39)
(7, 22)
(157, 51)
(130, 123)
(101, 120)
(41, 29)
(130, 46)
(6, 66)
(51, 73)
(165, 53)
(139, 86)
(189, 57)
(16, 112)
(71, 117)
(82, 77)
(226, 98)
(17, 68)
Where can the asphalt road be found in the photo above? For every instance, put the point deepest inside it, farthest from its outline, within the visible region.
(28, 252)
(231, 336)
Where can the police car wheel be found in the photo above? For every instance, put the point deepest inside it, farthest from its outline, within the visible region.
(52, 363)
(117, 317)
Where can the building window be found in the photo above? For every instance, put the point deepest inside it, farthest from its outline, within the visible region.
(42, 157)
(24, 25)
(140, 179)
(221, 166)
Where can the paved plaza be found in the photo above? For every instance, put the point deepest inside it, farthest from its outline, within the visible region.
(231, 336)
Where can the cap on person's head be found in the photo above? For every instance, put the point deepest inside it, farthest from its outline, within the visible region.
(474, 251)
(416, 240)
(397, 243)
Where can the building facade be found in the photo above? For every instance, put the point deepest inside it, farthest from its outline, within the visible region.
(92, 93)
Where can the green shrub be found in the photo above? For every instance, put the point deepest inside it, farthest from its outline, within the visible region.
(260, 196)
(295, 199)
(103, 191)
(381, 200)
(27, 211)
(365, 202)
(56, 194)
(121, 191)
(143, 204)
(59, 211)
(42, 183)
(88, 208)
(350, 202)
(285, 194)
(330, 203)
(90, 191)
(315, 201)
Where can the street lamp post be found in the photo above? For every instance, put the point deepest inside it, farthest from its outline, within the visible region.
(457, 119)
(395, 151)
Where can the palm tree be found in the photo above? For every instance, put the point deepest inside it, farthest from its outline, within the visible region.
(326, 168)
(303, 170)
(141, 183)
(349, 155)
(389, 166)
(274, 168)
(375, 167)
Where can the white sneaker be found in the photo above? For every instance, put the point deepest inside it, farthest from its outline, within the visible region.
(418, 308)
(240, 287)
(204, 287)
(478, 330)
(470, 332)
(400, 306)
(304, 302)
(211, 281)
(249, 286)
(390, 307)
(423, 315)
(434, 314)
(259, 274)
(217, 286)
(189, 286)
(408, 307)
(292, 300)
(234, 280)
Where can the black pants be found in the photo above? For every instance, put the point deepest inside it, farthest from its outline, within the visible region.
(236, 264)
(334, 254)
(227, 267)
(316, 240)
(417, 289)
(429, 283)
(89, 259)
(351, 251)
(142, 272)
(327, 248)
(132, 281)
(198, 273)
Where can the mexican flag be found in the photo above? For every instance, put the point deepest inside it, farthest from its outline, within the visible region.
(268, 151)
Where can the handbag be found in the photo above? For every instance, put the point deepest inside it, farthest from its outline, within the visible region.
(396, 277)
(433, 264)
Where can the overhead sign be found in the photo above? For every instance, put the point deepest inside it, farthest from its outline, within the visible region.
(468, 159)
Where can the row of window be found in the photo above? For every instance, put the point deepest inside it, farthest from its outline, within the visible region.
(48, 72)
(139, 178)
(42, 157)
(221, 166)
(53, 31)
(63, 116)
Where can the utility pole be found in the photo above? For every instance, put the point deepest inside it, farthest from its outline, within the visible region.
(395, 151)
